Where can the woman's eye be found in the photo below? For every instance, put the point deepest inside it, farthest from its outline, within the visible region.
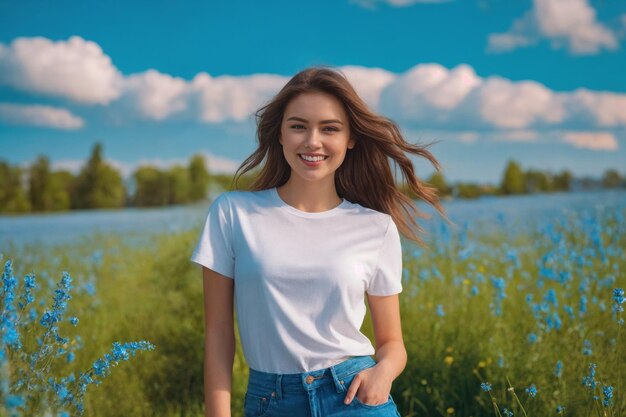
(296, 126)
(333, 129)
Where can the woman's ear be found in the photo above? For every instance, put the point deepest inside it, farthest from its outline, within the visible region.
(351, 143)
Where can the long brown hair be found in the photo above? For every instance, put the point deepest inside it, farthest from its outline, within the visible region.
(365, 176)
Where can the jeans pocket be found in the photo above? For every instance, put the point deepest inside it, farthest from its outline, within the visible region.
(359, 402)
(257, 405)
(347, 381)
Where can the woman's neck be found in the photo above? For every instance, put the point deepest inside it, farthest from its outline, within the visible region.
(309, 196)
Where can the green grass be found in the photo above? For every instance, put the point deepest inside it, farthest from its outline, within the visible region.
(153, 292)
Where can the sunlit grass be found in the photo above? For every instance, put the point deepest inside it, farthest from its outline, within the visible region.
(492, 300)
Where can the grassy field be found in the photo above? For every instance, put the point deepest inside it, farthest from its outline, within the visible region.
(531, 301)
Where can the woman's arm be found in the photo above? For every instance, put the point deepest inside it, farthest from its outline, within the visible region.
(390, 355)
(390, 351)
(219, 343)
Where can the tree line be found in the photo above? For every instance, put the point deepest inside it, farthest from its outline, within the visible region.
(100, 185)
(516, 180)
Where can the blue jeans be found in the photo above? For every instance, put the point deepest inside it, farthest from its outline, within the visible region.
(319, 393)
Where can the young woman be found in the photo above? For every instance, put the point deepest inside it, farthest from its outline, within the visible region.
(298, 253)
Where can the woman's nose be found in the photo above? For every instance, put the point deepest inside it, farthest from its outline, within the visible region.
(313, 138)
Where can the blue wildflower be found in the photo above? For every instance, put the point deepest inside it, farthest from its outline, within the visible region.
(570, 312)
(559, 369)
(485, 386)
(501, 362)
(532, 338)
(589, 381)
(13, 401)
(440, 311)
(587, 351)
(532, 390)
(507, 412)
(607, 391)
(551, 297)
(560, 409)
(583, 304)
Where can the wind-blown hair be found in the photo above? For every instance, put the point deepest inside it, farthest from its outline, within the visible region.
(365, 176)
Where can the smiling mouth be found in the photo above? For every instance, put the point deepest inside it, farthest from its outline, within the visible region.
(313, 158)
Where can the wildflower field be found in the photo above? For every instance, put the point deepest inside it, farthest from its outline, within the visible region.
(507, 313)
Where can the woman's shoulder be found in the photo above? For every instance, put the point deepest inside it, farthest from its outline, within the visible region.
(369, 213)
(239, 197)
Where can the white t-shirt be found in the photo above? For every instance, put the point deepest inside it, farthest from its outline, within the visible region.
(300, 277)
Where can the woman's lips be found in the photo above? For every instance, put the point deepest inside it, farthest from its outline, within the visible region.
(311, 163)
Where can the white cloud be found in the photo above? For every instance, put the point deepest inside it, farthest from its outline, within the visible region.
(215, 164)
(467, 137)
(597, 141)
(232, 98)
(431, 96)
(520, 136)
(368, 82)
(395, 3)
(76, 69)
(506, 104)
(429, 92)
(72, 165)
(570, 23)
(156, 95)
(602, 108)
(37, 115)
(427, 96)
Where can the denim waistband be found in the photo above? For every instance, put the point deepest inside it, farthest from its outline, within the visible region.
(260, 382)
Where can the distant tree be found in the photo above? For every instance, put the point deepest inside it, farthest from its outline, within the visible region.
(612, 179)
(438, 181)
(151, 187)
(98, 185)
(178, 184)
(39, 186)
(221, 182)
(535, 181)
(66, 179)
(13, 197)
(467, 190)
(47, 191)
(562, 181)
(513, 179)
(199, 178)
(245, 181)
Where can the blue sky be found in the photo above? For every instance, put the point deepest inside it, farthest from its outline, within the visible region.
(540, 81)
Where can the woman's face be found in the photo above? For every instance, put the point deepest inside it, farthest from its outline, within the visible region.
(315, 126)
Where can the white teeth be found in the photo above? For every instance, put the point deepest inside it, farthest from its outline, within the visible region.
(312, 158)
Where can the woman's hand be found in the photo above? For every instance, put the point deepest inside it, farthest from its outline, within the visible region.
(373, 384)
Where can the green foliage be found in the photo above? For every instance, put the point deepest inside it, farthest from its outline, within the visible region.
(199, 178)
(612, 179)
(48, 191)
(98, 185)
(513, 179)
(178, 185)
(149, 287)
(438, 181)
(536, 181)
(151, 187)
(562, 181)
(12, 196)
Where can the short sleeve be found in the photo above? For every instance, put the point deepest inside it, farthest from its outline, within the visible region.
(215, 245)
(387, 278)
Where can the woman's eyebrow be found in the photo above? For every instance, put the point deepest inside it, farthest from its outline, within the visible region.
(322, 122)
